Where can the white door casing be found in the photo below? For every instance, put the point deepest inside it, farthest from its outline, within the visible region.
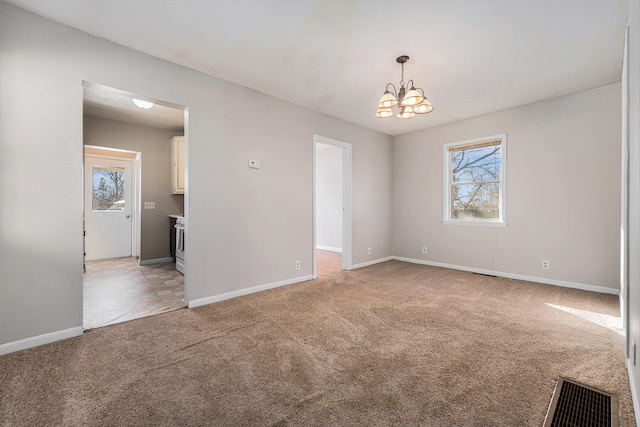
(108, 218)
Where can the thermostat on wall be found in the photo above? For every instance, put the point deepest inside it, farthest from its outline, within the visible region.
(254, 164)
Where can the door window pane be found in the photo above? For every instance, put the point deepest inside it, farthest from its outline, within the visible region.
(108, 189)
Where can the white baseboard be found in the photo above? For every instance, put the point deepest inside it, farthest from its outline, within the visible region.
(155, 261)
(368, 263)
(562, 283)
(328, 248)
(40, 340)
(634, 391)
(238, 293)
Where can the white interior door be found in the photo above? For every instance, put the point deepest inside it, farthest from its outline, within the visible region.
(108, 205)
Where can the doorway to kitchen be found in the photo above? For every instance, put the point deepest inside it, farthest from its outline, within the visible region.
(132, 200)
(332, 206)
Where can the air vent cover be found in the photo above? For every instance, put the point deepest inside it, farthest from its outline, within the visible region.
(576, 405)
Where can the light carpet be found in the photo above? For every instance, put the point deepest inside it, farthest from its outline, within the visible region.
(390, 344)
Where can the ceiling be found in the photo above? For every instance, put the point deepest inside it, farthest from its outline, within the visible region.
(471, 57)
(109, 103)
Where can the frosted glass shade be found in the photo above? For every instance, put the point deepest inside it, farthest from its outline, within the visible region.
(412, 97)
(423, 108)
(387, 100)
(384, 113)
(406, 113)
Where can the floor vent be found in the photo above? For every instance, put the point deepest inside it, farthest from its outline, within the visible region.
(576, 405)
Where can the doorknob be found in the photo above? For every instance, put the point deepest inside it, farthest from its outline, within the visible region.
(128, 216)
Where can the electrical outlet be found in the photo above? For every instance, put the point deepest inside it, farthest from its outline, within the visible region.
(424, 250)
(297, 265)
(149, 205)
(369, 251)
(545, 264)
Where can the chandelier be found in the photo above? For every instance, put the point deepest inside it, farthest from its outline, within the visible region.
(409, 102)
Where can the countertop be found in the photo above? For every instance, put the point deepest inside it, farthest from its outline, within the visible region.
(176, 216)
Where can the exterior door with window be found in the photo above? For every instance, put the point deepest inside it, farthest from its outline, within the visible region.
(108, 198)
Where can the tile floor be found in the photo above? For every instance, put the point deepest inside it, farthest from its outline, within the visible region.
(327, 262)
(117, 290)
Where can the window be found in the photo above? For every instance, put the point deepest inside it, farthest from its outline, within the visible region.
(475, 181)
(108, 189)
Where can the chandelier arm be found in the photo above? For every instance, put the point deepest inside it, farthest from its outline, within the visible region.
(395, 91)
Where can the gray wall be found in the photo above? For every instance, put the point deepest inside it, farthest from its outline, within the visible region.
(155, 146)
(633, 234)
(245, 227)
(563, 198)
(329, 196)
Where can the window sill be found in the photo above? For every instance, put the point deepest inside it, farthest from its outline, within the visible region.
(473, 223)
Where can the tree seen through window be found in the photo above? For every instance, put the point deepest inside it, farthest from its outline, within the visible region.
(475, 181)
(108, 189)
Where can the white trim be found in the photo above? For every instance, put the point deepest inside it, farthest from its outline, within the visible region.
(314, 149)
(136, 214)
(347, 184)
(328, 248)
(40, 340)
(347, 217)
(562, 283)
(474, 223)
(634, 390)
(187, 201)
(448, 178)
(247, 291)
(368, 263)
(624, 202)
(155, 261)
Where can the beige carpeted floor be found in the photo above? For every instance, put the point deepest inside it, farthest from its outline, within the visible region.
(390, 344)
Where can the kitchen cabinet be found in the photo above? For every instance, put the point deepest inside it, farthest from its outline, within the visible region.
(177, 165)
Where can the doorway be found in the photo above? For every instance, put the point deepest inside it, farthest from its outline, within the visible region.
(332, 206)
(130, 206)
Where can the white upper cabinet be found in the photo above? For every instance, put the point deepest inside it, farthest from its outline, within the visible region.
(177, 165)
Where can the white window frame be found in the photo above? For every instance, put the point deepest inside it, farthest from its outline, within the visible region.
(501, 221)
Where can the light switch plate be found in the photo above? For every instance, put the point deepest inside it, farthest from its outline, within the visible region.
(254, 164)
(149, 205)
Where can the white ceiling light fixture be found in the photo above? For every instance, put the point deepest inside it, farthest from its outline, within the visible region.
(145, 105)
(409, 102)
